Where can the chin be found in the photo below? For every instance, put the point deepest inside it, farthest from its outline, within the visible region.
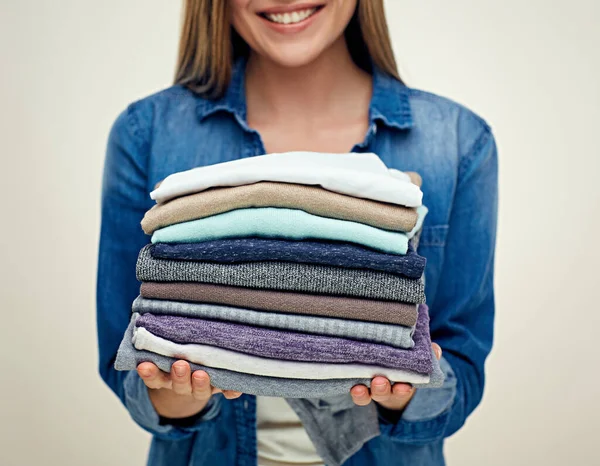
(293, 55)
(291, 34)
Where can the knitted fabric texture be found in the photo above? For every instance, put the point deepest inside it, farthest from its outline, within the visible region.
(214, 356)
(270, 222)
(319, 279)
(292, 346)
(393, 335)
(311, 199)
(357, 309)
(362, 175)
(128, 358)
(345, 255)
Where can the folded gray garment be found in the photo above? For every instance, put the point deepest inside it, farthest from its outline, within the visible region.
(128, 358)
(393, 335)
(290, 276)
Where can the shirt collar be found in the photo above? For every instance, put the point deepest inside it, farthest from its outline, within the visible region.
(389, 105)
(390, 102)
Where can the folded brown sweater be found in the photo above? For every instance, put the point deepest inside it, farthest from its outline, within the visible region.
(369, 310)
(311, 199)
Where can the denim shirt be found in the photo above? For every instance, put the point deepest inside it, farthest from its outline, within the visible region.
(454, 151)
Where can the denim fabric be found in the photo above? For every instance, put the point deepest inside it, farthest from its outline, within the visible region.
(454, 151)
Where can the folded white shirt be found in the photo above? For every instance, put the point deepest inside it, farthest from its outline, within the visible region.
(212, 356)
(355, 174)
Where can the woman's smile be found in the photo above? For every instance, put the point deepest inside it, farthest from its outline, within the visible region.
(291, 33)
(293, 18)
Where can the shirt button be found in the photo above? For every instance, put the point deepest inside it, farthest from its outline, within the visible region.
(246, 405)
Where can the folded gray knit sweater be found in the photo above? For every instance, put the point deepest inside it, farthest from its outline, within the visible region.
(288, 276)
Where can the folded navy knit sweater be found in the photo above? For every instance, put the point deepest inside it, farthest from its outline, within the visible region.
(335, 253)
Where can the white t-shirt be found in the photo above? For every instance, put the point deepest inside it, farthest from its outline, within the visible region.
(361, 175)
(280, 436)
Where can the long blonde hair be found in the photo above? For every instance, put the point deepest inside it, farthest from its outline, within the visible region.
(208, 44)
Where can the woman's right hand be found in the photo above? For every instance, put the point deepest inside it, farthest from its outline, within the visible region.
(180, 393)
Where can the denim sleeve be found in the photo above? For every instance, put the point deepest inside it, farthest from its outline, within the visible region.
(463, 310)
(125, 199)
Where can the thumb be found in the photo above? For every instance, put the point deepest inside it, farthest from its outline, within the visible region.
(437, 350)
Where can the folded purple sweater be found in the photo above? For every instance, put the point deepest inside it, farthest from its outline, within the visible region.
(348, 255)
(279, 344)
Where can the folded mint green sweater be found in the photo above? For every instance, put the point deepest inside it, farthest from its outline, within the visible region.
(270, 222)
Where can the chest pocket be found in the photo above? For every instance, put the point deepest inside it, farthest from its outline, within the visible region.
(431, 245)
(433, 236)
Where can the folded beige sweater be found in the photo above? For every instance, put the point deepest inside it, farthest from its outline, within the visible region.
(311, 199)
(370, 310)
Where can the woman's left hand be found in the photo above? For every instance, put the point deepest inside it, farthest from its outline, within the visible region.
(394, 398)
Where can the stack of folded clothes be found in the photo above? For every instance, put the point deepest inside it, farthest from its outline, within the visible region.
(290, 275)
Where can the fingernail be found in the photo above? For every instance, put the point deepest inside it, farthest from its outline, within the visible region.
(404, 389)
(179, 370)
(200, 381)
(438, 352)
(360, 392)
(378, 388)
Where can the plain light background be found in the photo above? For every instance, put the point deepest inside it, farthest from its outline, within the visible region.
(531, 69)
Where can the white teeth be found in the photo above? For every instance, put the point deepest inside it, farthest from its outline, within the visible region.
(291, 18)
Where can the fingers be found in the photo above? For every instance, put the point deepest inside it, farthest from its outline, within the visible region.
(402, 392)
(437, 350)
(398, 397)
(201, 389)
(360, 395)
(152, 376)
(401, 395)
(231, 394)
(394, 397)
(181, 378)
(182, 381)
(381, 390)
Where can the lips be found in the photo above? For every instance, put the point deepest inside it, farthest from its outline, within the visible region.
(290, 16)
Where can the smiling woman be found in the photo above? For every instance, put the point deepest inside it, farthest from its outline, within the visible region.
(207, 48)
(278, 32)
(315, 77)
